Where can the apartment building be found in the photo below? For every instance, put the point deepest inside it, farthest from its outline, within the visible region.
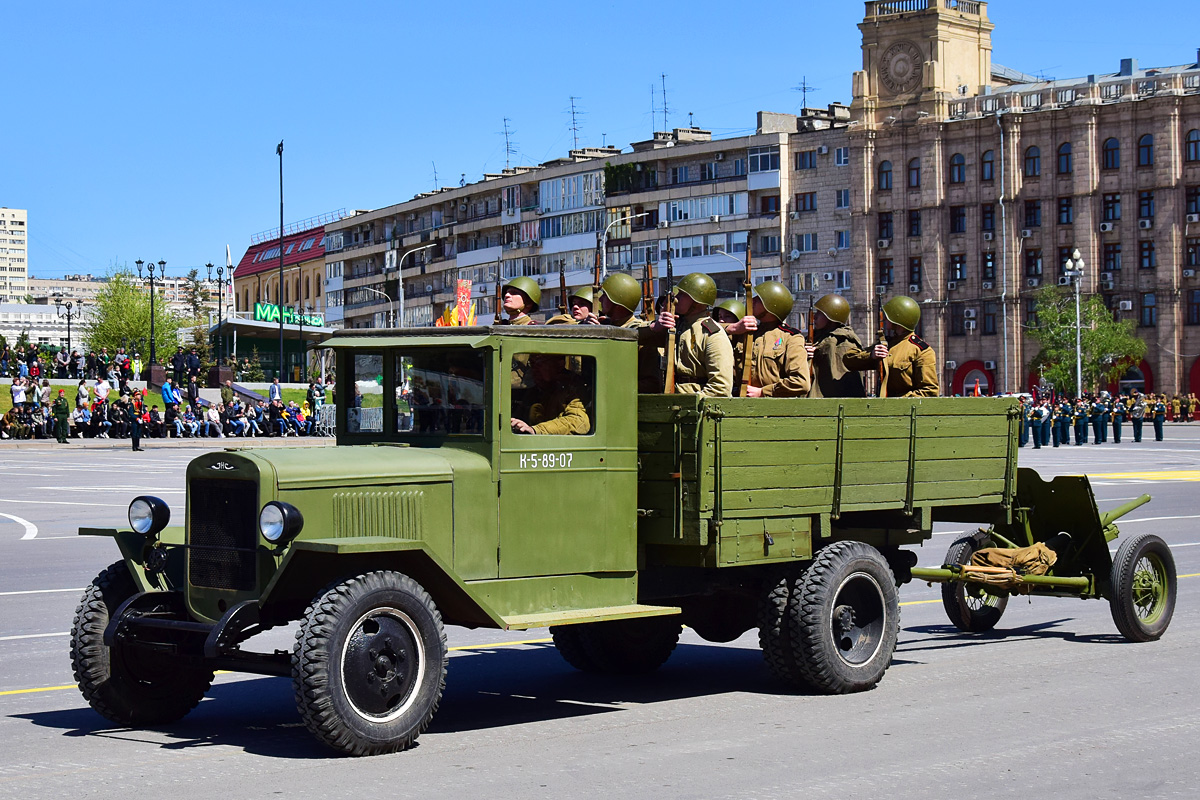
(976, 182)
(14, 254)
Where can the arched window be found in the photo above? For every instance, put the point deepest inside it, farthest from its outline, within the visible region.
(1065, 163)
(1033, 162)
(958, 168)
(885, 176)
(987, 166)
(914, 174)
(1192, 146)
(1146, 151)
(1111, 154)
(285, 295)
(297, 295)
(307, 288)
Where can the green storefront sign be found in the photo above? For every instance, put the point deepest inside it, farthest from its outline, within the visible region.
(269, 312)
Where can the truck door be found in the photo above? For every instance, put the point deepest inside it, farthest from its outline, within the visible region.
(553, 466)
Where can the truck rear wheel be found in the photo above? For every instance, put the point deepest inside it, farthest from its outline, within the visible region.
(774, 631)
(1143, 588)
(845, 619)
(128, 685)
(620, 647)
(369, 665)
(968, 606)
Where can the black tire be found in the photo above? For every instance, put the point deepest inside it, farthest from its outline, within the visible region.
(969, 607)
(845, 619)
(620, 647)
(774, 632)
(1143, 588)
(349, 672)
(128, 685)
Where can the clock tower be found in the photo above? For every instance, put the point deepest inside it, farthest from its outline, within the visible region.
(919, 55)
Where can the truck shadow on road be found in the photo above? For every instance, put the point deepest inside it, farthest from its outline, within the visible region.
(944, 637)
(485, 689)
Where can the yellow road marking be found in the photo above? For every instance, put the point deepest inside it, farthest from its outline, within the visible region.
(1160, 475)
(919, 602)
(42, 689)
(499, 644)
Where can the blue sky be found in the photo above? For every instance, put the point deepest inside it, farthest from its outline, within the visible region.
(148, 130)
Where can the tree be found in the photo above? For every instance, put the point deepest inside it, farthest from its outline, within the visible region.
(23, 338)
(253, 373)
(195, 293)
(1108, 346)
(120, 317)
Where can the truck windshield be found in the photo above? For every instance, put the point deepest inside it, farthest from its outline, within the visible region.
(440, 391)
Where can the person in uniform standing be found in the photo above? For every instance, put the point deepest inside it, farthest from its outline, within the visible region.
(703, 352)
(1036, 423)
(1023, 423)
(909, 364)
(1062, 419)
(134, 420)
(521, 297)
(1118, 417)
(619, 298)
(1081, 421)
(1160, 416)
(1137, 414)
(62, 417)
(579, 304)
(778, 358)
(836, 352)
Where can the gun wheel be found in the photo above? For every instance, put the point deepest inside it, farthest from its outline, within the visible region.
(128, 685)
(1143, 588)
(369, 665)
(969, 607)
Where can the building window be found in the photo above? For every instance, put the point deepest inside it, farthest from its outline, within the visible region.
(987, 265)
(843, 240)
(806, 242)
(1149, 315)
(1191, 257)
(739, 168)
(708, 172)
(806, 159)
(957, 328)
(1146, 150)
(1033, 213)
(1193, 307)
(958, 219)
(1031, 320)
(987, 217)
(1147, 259)
(842, 199)
(1064, 255)
(885, 176)
(1193, 200)
(1111, 154)
(1066, 211)
(886, 272)
(958, 168)
(1112, 207)
(806, 201)
(914, 271)
(987, 166)
(769, 244)
(1146, 205)
(841, 157)
(1033, 263)
(679, 174)
(989, 318)
(914, 174)
(914, 222)
(1191, 150)
(885, 225)
(1065, 162)
(1112, 257)
(764, 159)
(958, 267)
(1033, 162)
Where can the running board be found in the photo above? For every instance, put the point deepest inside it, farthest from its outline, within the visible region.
(576, 616)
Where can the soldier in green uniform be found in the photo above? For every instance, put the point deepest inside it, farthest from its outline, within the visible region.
(703, 352)
(909, 364)
(521, 298)
(836, 352)
(1023, 430)
(728, 311)
(560, 411)
(1160, 416)
(778, 358)
(62, 416)
(579, 303)
(619, 298)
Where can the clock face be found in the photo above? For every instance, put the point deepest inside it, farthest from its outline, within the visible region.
(900, 69)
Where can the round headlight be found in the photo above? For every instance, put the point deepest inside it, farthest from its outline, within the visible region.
(279, 521)
(148, 515)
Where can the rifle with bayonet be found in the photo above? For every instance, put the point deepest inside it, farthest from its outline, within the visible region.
(648, 289)
(669, 372)
(499, 320)
(596, 278)
(748, 342)
(812, 338)
(880, 370)
(562, 290)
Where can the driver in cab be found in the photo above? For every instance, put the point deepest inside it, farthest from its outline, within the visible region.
(559, 410)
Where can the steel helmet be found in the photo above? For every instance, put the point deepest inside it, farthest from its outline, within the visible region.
(700, 287)
(903, 312)
(583, 293)
(623, 290)
(776, 299)
(835, 307)
(733, 306)
(528, 287)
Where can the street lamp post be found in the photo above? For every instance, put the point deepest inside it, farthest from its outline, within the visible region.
(1073, 269)
(162, 269)
(400, 277)
(68, 311)
(222, 282)
(604, 240)
(749, 303)
(391, 308)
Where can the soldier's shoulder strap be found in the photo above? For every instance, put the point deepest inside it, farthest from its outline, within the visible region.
(710, 325)
(788, 330)
(918, 341)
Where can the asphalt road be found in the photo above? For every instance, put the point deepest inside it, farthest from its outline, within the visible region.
(1055, 702)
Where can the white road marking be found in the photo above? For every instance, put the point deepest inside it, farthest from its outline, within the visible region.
(1172, 546)
(40, 591)
(63, 503)
(1123, 521)
(130, 489)
(30, 528)
(33, 636)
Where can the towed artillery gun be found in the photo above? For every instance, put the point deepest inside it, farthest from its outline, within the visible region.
(787, 516)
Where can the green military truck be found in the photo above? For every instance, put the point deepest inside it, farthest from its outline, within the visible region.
(787, 516)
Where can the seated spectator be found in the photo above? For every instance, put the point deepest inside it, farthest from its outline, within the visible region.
(81, 418)
(212, 422)
(154, 424)
(172, 426)
(278, 418)
(116, 417)
(190, 423)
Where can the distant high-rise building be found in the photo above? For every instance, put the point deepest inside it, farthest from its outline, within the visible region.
(14, 266)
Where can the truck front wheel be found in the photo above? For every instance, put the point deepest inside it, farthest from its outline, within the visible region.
(845, 618)
(369, 665)
(128, 685)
